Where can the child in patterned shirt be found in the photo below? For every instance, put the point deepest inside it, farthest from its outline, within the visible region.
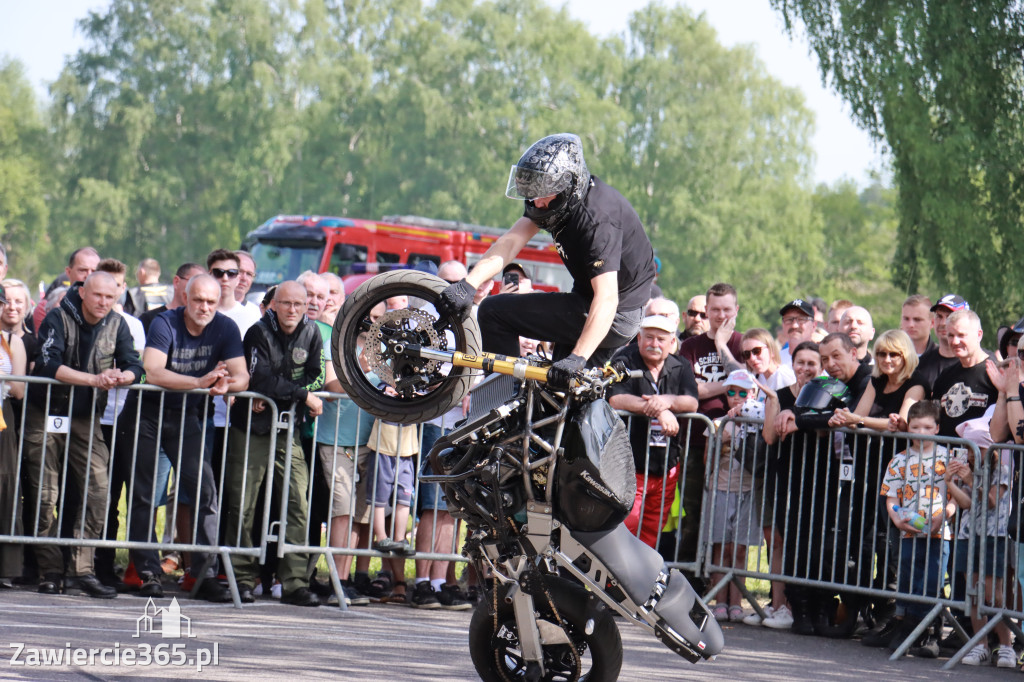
(915, 482)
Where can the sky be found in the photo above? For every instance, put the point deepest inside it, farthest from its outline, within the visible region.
(42, 33)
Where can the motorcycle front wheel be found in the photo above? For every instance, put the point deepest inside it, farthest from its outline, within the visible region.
(361, 332)
(592, 654)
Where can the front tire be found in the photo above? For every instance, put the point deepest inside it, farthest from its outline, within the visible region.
(594, 657)
(353, 320)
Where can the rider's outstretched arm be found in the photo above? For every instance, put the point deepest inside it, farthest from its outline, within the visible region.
(503, 251)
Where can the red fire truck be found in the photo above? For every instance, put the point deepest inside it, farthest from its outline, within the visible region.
(355, 249)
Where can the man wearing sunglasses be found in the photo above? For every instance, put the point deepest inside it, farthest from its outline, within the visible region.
(797, 326)
(696, 317)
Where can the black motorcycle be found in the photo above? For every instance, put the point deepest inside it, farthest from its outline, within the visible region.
(543, 480)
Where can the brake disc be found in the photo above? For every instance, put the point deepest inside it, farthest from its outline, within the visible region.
(408, 325)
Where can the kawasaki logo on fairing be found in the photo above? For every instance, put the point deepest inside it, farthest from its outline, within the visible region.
(594, 484)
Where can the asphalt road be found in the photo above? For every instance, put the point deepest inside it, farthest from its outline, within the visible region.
(268, 640)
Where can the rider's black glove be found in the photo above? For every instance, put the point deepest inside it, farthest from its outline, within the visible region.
(456, 300)
(561, 373)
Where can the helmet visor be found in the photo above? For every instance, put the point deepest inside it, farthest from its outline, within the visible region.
(814, 397)
(529, 184)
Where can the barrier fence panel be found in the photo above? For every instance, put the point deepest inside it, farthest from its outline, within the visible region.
(370, 467)
(809, 515)
(669, 481)
(995, 567)
(71, 455)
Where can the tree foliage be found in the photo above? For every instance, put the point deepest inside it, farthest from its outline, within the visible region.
(941, 84)
(24, 168)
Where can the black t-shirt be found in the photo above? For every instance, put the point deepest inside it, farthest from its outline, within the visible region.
(930, 365)
(890, 403)
(963, 394)
(701, 353)
(675, 378)
(604, 234)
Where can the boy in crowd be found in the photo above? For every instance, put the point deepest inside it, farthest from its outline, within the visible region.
(915, 484)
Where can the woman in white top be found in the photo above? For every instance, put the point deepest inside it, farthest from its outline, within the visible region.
(761, 355)
(12, 361)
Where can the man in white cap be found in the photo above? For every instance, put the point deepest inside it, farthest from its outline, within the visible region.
(666, 388)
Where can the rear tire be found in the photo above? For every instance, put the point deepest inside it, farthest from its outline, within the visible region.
(353, 319)
(495, 652)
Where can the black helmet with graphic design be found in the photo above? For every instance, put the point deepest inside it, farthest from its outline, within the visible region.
(552, 166)
(823, 394)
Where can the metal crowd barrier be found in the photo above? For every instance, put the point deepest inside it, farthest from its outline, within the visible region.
(995, 566)
(819, 499)
(87, 516)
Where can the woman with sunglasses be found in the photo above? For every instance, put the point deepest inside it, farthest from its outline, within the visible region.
(12, 361)
(894, 387)
(806, 366)
(762, 357)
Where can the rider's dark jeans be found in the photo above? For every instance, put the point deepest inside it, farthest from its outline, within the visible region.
(557, 317)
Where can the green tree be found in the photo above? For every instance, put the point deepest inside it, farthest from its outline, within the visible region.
(716, 159)
(859, 245)
(25, 174)
(940, 84)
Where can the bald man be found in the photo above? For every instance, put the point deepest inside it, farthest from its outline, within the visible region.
(193, 347)
(857, 324)
(286, 356)
(84, 343)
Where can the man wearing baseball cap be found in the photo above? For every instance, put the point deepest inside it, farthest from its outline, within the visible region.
(797, 326)
(667, 388)
(934, 361)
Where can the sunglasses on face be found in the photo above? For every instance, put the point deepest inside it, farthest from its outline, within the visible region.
(218, 273)
(756, 351)
(697, 313)
(888, 354)
(732, 393)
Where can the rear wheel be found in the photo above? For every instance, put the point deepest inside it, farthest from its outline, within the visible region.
(590, 651)
(421, 389)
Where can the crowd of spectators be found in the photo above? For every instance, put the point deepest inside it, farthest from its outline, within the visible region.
(765, 468)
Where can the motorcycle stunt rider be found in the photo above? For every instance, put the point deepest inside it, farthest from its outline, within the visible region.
(602, 243)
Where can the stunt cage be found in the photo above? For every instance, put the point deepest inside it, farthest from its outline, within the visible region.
(543, 479)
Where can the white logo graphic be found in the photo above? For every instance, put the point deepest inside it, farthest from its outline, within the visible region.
(166, 621)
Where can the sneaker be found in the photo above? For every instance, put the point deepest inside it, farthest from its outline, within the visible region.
(89, 585)
(755, 617)
(275, 590)
(928, 647)
(353, 597)
(781, 619)
(302, 596)
(171, 562)
(451, 598)
(151, 586)
(424, 597)
(1006, 657)
(474, 594)
(885, 636)
(979, 655)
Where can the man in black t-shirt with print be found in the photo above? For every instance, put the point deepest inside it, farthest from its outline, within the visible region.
(602, 243)
(939, 358)
(964, 390)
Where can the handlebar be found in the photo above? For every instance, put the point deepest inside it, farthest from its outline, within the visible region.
(520, 368)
